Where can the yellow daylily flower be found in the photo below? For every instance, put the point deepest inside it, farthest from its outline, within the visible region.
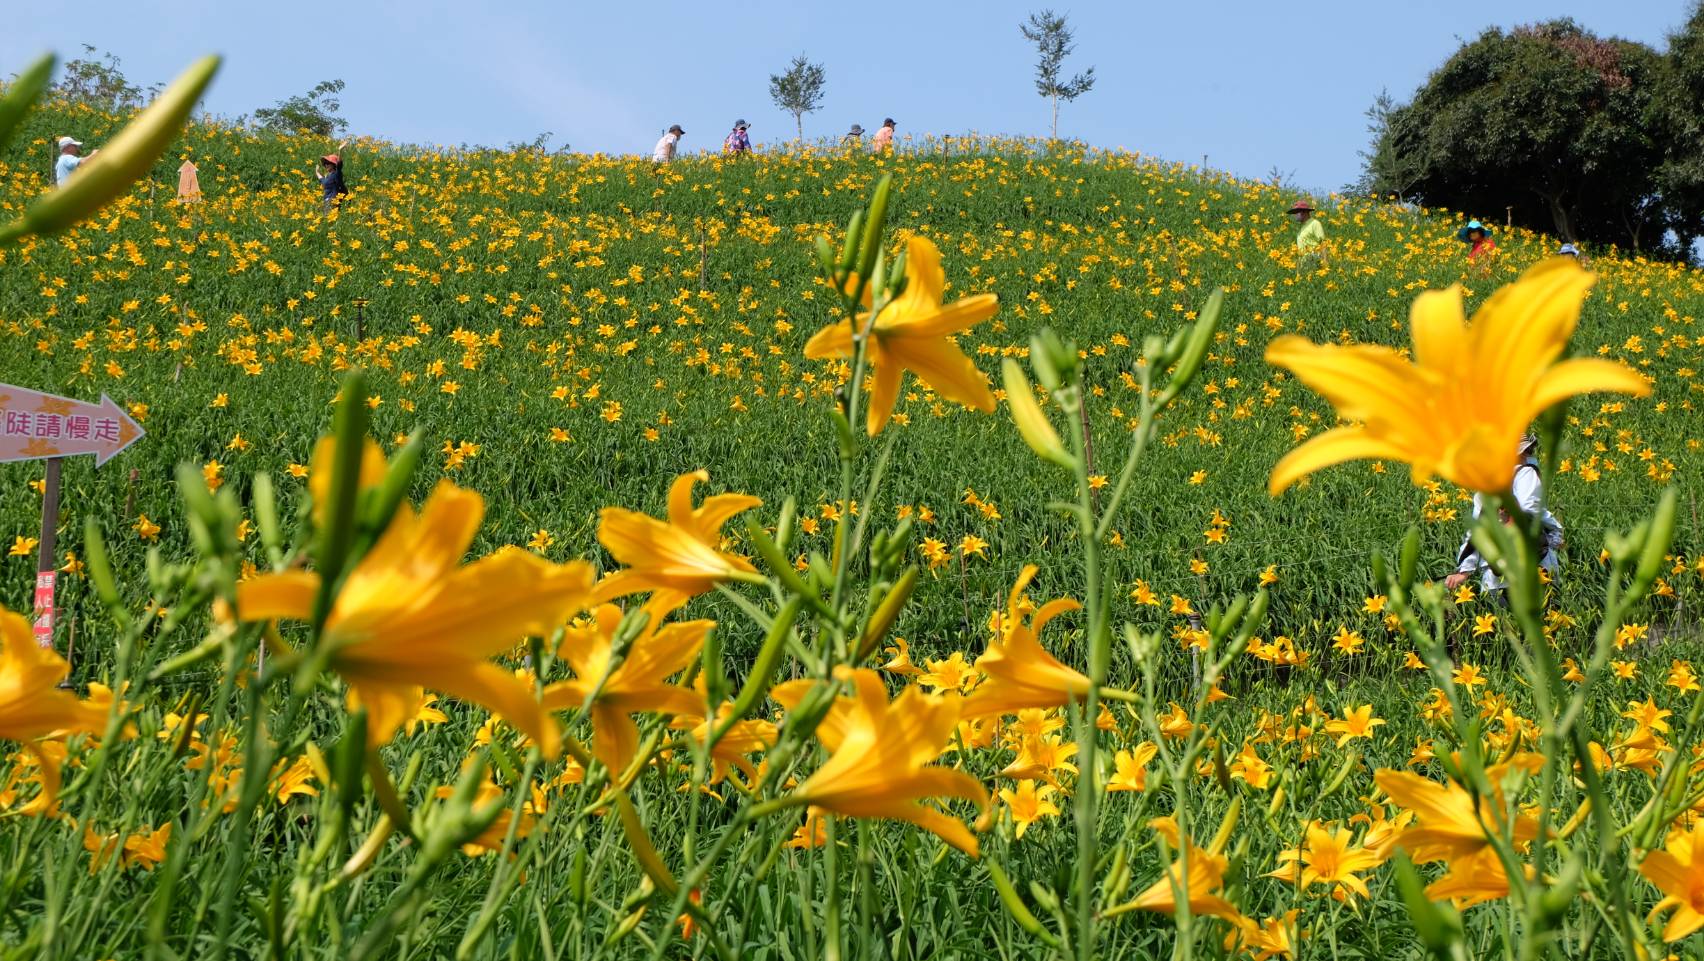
(1459, 410)
(914, 332)
(1678, 871)
(411, 616)
(635, 685)
(682, 554)
(1020, 673)
(32, 707)
(879, 756)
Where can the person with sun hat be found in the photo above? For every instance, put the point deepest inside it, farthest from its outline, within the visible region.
(1312, 234)
(1481, 248)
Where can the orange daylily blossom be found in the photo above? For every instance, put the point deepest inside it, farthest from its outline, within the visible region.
(1328, 857)
(1020, 673)
(32, 707)
(744, 737)
(1200, 884)
(1266, 939)
(680, 555)
(914, 332)
(638, 683)
(1473, 880)
(1452, 824)
(1460, 408)
(410, 615)
(879, 754)
(1678, 872)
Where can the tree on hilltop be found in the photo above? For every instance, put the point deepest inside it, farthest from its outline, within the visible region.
(314, 112)
(97, 80)
(1052, 37)
(1558, 126)
(798, 90)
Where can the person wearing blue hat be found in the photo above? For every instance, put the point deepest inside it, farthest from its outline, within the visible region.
(1483, 247)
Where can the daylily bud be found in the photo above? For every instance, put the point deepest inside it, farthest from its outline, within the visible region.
(870, 243)
(1194, 352)
(1032, 422)
(1657, 540)
(25, 91)
(126, 157)
(1054, 360)
(1410, 557)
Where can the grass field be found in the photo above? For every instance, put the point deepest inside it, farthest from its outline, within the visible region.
(570, 333)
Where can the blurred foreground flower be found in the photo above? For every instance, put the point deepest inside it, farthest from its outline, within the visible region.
(1459, 410)
(31, 706)
(914, 332)
(878, 756)
(614, 688)
(411, 616)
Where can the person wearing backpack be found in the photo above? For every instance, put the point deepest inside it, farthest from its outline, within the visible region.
(1528, 489)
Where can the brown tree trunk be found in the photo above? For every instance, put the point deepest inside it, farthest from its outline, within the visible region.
(1558, 213)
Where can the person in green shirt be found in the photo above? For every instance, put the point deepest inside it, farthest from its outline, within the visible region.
(1312, 233)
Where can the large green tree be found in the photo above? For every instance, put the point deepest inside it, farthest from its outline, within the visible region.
(1681, 177)
(1564, 129)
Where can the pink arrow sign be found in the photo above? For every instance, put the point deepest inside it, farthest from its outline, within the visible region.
(35, 425)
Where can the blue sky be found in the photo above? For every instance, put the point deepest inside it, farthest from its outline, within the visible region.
(1250, 86)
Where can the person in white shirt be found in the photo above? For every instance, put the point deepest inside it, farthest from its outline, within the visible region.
(1528, 489)
(665, 149)
(70, 158)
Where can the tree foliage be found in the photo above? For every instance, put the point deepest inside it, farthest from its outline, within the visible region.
(1562, 129)
(1681, 177)
(97, 79)
(799, 89)
(314, 112)
(1054, 41)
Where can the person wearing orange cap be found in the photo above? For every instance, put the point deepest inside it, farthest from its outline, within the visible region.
(330, 172)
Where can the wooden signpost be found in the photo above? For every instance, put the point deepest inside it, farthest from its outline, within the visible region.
(38, 426)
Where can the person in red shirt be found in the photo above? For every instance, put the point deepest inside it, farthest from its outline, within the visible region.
(1482, 248)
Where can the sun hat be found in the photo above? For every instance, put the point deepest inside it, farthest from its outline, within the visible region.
(69, 142)
(335, 160)
(1472, 225)
(1300, 206)
(888, 122)
(740, 125)
(675, 128)
(856, 131)
(1568, 250)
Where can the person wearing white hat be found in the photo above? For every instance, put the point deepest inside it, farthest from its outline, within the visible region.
(70, 158)
(1528, 488)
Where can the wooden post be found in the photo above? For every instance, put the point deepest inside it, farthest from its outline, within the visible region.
(47, 565)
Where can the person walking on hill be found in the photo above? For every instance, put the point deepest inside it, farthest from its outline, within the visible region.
(1481, 248)
(664, 152)
(854, 137)
(883, 140)
(738, 141)
(1528, 489)
(70, 158)
(1312, 233)
(330, 173)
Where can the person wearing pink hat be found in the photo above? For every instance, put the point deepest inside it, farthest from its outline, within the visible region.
(1312, 234)
(330, 172)
(1311, 239)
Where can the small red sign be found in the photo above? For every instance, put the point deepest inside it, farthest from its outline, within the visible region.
(45, 581)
